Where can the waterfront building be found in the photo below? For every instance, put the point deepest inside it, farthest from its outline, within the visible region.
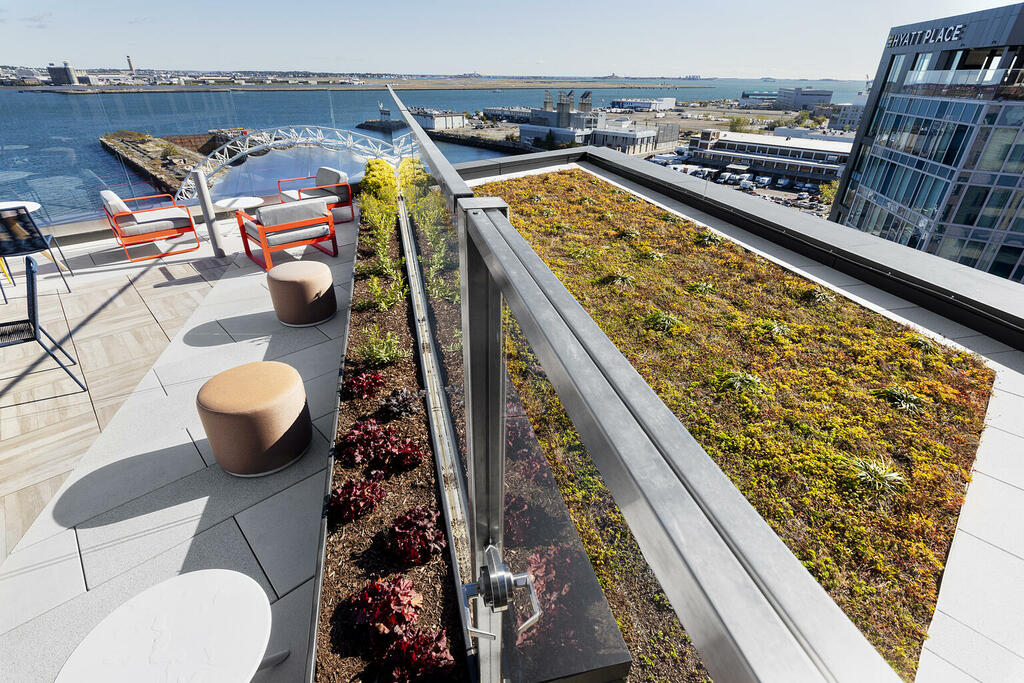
(437, 119)
(630, 140)
(511, 114)
(795, 158)
(939, 158)
(815, 133)
(62, 75)
(797, 99)
(644, 103)
(758, 99)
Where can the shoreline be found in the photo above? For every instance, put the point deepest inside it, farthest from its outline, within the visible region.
(529, 85)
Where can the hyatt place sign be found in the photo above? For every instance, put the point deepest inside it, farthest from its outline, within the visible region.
(941, 34)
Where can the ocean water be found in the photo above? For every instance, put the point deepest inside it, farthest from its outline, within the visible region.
(49, 149)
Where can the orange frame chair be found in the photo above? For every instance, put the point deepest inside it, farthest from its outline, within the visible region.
(267, 231)
(327, 187)
(144, 237)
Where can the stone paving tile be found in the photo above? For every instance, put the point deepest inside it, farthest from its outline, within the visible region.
(1001, 455)
(39, 579)
(130, 534)
(292, 616)
(1005, 411)
(52, 636)
(282, 533)
(934, 669)
(984, 513)
(983, 588)
(971, 652)
(20, 509)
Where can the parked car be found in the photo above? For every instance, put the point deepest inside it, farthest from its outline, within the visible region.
(762, 181)
(724, 178)
(802, 196)
(746, 185)
(782, 182)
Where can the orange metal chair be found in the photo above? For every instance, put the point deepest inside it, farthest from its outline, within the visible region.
(331, 184)
(141, 226)
(282, 226)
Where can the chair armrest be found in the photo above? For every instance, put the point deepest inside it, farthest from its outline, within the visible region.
(288, 180)
(155, 208)
(152, 196)
(326, 187)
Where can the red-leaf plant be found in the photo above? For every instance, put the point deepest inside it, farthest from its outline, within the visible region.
(386, 608)
(364, 385)
(380, 447)
(354, 499)
(418, 655)
(415, 535)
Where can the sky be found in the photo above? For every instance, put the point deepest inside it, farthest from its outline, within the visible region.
(734, 38)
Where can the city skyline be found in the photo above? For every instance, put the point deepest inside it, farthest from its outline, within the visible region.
(533, 39)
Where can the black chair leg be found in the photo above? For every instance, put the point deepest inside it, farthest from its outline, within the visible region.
(54, 357)
(56, 344)
(57, 266)
(2, 289)
(62, 256)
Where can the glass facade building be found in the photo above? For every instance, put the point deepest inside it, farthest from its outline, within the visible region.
(938, 161)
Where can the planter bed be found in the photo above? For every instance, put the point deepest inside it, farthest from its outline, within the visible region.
(362, 550)
(852, 435)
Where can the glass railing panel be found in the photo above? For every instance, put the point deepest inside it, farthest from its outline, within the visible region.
(546, 467)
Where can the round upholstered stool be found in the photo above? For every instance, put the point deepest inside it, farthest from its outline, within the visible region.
(256, 418)
(303, 293)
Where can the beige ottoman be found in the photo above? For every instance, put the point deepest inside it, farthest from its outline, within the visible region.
(256, 418)
(303, 293)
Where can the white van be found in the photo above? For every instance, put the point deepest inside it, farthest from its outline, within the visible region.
(763, 181)
(724, 178)
(746, 185)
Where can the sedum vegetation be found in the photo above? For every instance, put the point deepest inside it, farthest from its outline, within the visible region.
(849, 433)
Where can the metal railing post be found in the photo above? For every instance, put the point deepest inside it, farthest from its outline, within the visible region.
(209, 213)
(485, 429)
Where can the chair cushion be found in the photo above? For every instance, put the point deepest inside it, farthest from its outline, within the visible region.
(112, 203)
(325, 175)
(171, 218)
(291, 212)
(276, 239)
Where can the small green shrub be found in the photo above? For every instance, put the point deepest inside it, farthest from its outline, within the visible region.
(901, 399)
(772, 328)
(385, 298)
(877, 478)
(661, 321)
(619, 279)
(380, 349)
(707, 238)
(701, 287)
(922, 344)
(652, 255)
(817, 296)
(739, 382)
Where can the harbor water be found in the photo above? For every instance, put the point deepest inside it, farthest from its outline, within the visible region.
(50, 153)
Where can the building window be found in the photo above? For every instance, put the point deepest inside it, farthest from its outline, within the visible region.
(970, 207)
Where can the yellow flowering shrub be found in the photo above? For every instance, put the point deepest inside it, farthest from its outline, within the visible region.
(850, 434)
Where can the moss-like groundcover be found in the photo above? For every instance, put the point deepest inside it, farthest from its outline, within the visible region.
(850, 434)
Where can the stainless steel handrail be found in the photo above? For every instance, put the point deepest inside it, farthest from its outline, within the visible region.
(751, 608)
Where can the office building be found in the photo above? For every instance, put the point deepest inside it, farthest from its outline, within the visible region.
(644, 103)
(801, 159)
(437, 119)
(511, 114)
(758, 99)
(796, 99)
(938, 162)
(62, 75)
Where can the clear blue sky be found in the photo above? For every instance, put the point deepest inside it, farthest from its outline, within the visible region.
(730, 38)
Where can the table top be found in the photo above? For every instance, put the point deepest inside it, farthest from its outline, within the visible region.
(31, 206)
(209, 625)
(239, 202)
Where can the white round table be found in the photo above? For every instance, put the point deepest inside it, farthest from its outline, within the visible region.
(238, 203)
(30, 206)
(209, 625)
